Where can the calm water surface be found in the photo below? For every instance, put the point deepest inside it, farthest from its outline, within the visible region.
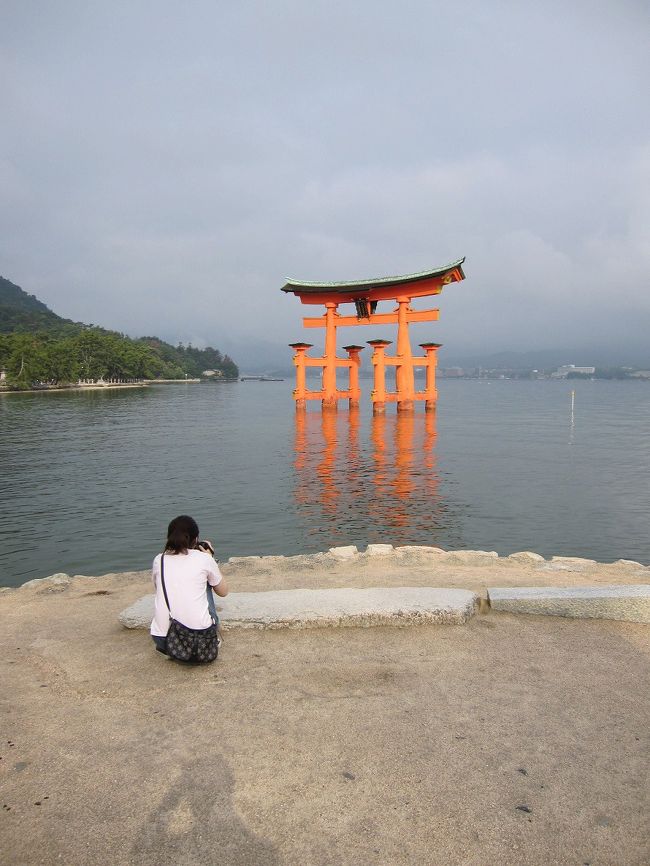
(90, 480)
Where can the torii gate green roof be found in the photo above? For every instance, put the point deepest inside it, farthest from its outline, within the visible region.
(305, 287)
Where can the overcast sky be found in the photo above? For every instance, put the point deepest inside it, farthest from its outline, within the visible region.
(165, 166)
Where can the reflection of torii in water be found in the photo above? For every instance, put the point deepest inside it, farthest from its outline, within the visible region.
(342, 488)
(406, 480)
(365, 295)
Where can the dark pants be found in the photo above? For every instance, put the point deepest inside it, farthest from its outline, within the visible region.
(161, 643)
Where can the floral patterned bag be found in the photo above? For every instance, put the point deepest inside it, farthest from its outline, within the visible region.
(188, 644)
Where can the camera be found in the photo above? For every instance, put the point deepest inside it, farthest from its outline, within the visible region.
(205, 546)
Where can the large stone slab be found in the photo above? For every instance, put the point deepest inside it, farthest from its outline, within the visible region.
(630, 603)
(326, 608)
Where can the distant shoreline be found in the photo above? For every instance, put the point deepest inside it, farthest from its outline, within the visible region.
(59, 388)
(145, 383)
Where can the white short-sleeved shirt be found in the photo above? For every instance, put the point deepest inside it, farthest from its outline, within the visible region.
(186, 579)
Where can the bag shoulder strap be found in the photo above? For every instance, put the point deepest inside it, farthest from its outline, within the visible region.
(162, 580)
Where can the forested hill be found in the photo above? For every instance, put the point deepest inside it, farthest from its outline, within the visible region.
(37, 346)
(22, 312)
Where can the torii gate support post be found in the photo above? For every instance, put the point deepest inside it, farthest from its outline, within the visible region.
(354, 362)
(379, 363)
(299, 359)
(431, 393)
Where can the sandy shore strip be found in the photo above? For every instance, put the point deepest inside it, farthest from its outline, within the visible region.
(59, 389)
(101, 387)
(508, 740)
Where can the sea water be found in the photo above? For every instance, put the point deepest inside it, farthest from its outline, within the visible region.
(89, 480)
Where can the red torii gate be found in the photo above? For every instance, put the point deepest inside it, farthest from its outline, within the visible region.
(365, 295)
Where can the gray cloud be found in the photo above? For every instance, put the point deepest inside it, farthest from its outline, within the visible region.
(164, 168)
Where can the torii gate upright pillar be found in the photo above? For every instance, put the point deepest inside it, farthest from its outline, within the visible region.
(404, 374)
(330, 399)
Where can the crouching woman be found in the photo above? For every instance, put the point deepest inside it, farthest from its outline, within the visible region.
(185, 575)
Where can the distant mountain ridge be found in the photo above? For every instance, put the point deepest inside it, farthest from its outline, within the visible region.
(21, 312)
(275, 358)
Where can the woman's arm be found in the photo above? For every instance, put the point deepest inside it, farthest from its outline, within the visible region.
(155, 569)
(221, 589)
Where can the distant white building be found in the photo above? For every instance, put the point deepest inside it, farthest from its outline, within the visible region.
(3, 375)
(563, 372)
(211, 373)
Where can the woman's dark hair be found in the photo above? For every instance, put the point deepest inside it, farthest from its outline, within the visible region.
(182, 534)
